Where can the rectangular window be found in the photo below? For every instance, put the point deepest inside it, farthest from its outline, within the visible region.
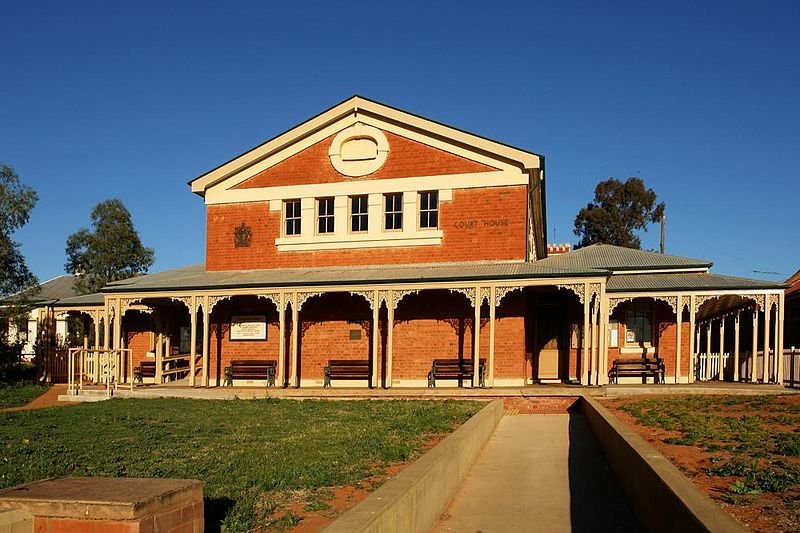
(324, 215)
(359, 219)
(393, 211)
(291, 214)
(429, 209)
(638, 324)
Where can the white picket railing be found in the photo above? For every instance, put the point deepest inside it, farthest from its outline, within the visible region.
(711, 366)
(99, 367)
(791, 367)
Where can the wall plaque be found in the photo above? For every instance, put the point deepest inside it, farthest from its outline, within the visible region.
(248, 328)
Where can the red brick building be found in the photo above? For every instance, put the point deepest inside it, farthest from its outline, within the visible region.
(371, 234)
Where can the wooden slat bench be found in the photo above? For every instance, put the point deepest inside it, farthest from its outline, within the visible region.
(346, 369)
(146, 369)
(637, 367)
(251, 369)
(459, 369)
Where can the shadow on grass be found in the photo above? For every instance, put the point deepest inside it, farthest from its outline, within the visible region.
(215, 510)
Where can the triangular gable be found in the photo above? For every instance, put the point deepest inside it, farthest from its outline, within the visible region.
(407, 157)
(468, 148)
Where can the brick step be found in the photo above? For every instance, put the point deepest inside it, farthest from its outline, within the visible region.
(544, 405)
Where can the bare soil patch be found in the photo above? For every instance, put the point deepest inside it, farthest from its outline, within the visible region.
(743, 451)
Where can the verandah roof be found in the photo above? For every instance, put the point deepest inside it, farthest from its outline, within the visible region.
(677, 281)
(196, 277)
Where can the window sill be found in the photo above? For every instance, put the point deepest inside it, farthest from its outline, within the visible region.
(365, 240)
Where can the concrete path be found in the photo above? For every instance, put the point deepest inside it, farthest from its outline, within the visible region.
(540, 473)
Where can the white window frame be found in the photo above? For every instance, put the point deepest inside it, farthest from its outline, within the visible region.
(365, 213)
(331, 200)
(298, 216)
(423, 212)
(394, 212)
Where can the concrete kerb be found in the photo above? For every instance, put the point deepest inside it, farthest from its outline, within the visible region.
(662, 497)
(415, 499)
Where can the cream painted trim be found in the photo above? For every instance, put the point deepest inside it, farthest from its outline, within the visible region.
(357, 108)
(498, 178)
(361, 240)
(359, 167)
(266, 289)
(684, 292)
(321, 135)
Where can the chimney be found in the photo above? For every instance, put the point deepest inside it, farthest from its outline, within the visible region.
(558, 249)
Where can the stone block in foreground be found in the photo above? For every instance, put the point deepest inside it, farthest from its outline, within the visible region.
(114, 505)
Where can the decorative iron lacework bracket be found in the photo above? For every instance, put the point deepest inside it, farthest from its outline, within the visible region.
(486, 295)
(594, 290)
(367, 295)
(303, 296)
(383, 297)
(614, 302)
(773, 299)
(214, 300)
(469, 292)
(701, 299)
(671, 301)
(578, 288)
(185, 300)
(399, 294)
(273, 297)
(686, 302)
(500, 293)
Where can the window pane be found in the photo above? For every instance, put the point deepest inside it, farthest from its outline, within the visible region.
(434, 220)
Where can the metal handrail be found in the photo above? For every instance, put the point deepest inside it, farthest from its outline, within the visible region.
(110, 360)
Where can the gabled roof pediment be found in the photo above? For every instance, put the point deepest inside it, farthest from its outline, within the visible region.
(355, 112)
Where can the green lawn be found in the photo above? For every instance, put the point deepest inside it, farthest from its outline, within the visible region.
(251, 454)
(17, 394)
(754, 438)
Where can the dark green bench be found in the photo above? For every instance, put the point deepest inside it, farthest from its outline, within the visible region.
(251, 369)
(637, 367)
(355, 369)
(146, 369)
(460, 369)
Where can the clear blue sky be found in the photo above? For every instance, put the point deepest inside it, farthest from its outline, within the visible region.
(701, 99)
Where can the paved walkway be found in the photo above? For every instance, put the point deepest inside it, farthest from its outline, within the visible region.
(540, 473)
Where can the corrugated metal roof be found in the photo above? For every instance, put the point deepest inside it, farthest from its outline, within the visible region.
(684, 281)
(196, 277)
(51, 290)
(606, 256)
(94, 299)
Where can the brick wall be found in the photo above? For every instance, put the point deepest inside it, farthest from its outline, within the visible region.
(138, 329)
(325, 325)
(475, 243)
(406, 158)
(222, 350)
(664, 338)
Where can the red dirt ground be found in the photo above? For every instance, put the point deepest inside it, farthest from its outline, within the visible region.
(48, 399)
(766, 512)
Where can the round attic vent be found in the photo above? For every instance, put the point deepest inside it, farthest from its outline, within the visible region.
(358, 150)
